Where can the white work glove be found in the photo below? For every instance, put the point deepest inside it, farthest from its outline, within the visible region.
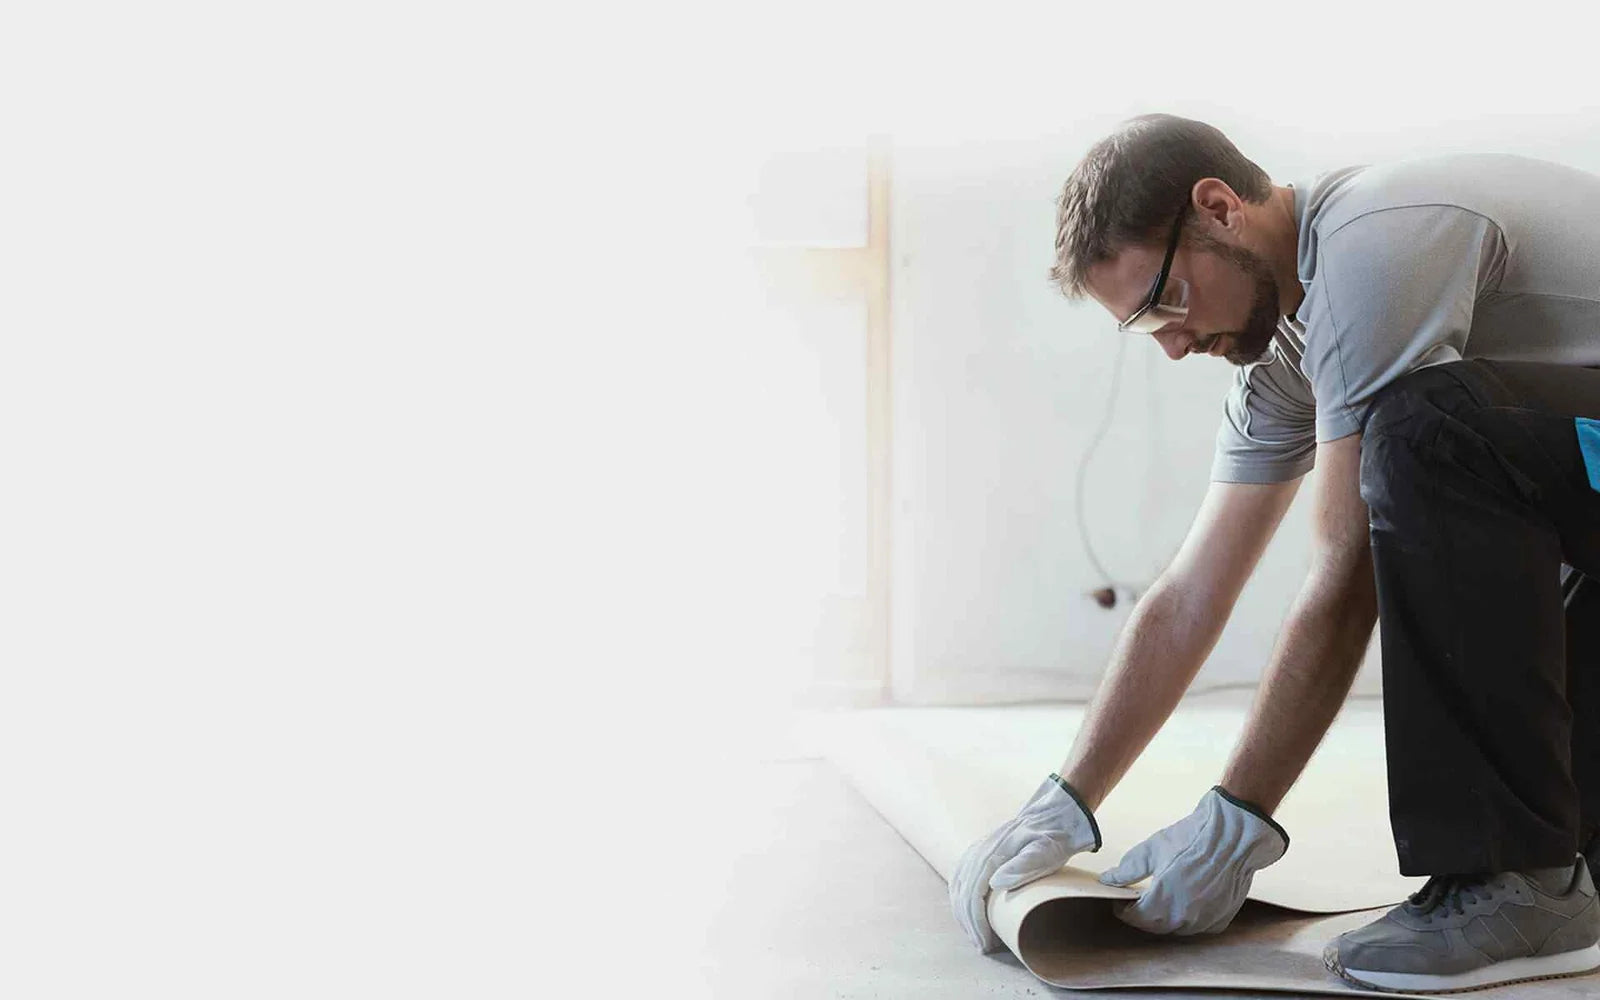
(1052, 826)
(1202, 867)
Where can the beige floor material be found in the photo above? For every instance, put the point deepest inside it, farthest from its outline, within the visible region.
(825, 900)
(944, 777)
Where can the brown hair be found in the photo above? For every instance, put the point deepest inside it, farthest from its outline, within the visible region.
(1128, 186)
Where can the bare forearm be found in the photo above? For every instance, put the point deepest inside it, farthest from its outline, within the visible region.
(1155, 660)
(1313, 664)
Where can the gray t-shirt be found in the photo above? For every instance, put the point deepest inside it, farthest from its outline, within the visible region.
(1411, 264)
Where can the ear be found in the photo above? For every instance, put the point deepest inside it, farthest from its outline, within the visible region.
(1217, 203)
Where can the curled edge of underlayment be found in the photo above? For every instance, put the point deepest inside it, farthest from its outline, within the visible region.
(1063, 930)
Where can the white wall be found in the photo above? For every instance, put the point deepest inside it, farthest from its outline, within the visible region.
(999, 384)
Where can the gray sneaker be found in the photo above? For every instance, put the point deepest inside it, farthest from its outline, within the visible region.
(1462, 932)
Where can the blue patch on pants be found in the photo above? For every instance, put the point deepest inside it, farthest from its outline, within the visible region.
(1589, 444)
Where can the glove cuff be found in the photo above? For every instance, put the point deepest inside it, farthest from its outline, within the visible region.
(1065, 787)
(1256, 811)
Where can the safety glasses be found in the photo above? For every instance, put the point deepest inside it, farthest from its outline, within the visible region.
(1169, 300)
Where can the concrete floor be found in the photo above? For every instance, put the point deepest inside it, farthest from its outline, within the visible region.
(824, 899)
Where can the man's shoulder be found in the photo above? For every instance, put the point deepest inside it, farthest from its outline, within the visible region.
(1405, 215)
(1481, 184)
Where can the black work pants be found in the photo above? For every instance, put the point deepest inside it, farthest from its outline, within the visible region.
(1485, 530)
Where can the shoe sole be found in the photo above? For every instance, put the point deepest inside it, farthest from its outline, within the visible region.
(1515, 970)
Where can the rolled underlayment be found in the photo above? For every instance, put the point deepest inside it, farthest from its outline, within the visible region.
(944, 777)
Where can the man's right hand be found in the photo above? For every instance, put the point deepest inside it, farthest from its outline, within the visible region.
(1052, 826)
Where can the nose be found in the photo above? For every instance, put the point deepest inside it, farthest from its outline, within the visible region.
(1174, 342)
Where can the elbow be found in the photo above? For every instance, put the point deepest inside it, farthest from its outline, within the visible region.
(1346, 555)
(1192, 602)
(1344, 575)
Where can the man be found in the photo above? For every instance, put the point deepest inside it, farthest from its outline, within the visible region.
(1427, 334)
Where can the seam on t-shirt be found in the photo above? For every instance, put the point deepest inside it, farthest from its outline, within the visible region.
(1282, 471)
(1244, 428)
(1298, 367)
(1338, 347)
(1543, 295)
(1251, 390)
(1244, 397)
(1274, 465)
(1338, 350)
(1420, 204)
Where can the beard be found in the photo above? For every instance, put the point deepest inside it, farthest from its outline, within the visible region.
(1250, 343)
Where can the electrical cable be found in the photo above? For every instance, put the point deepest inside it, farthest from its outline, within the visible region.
(1083, 468)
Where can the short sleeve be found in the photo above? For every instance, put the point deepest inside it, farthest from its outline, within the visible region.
(1394, 291)
(1268, 429)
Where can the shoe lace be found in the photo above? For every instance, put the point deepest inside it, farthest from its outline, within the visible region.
(1443, 893)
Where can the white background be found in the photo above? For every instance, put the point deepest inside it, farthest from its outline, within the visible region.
(376, 592)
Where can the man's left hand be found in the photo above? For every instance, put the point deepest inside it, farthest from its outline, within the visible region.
(1201, 867)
